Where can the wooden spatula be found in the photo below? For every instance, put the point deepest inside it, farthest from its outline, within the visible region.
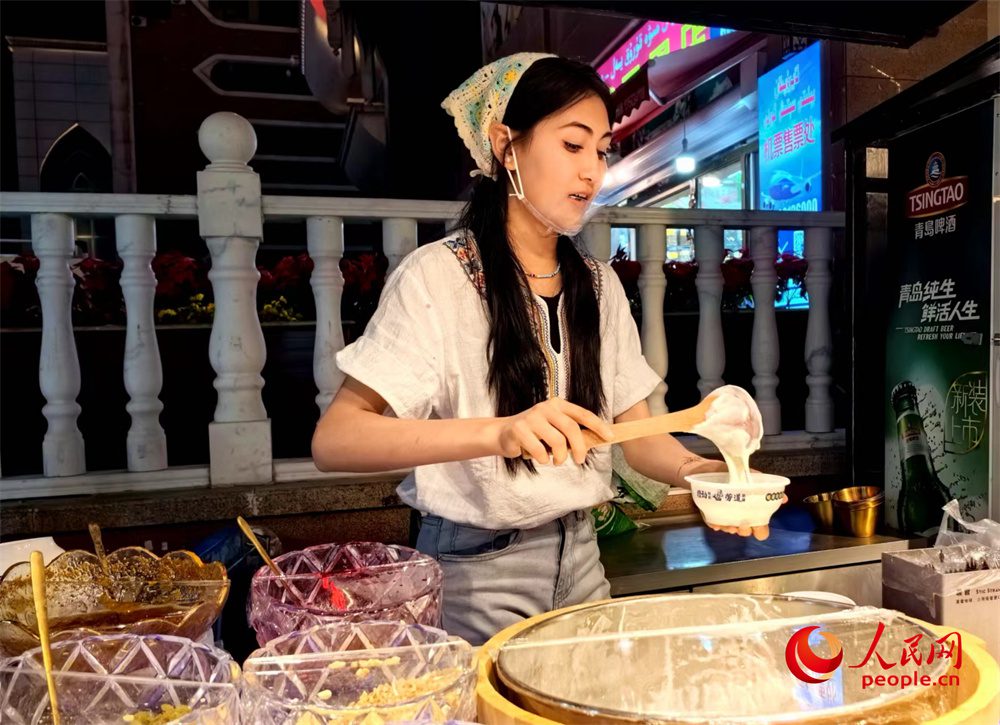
(680, 422)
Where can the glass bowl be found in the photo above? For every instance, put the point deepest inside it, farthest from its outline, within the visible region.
(360, 672)
(353, 582)
(135, 592)
(105, 678)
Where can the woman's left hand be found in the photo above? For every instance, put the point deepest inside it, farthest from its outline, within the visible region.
(759, 532)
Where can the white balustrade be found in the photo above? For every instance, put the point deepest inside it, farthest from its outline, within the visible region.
(399, 238)
(819, 339)
(597, 238)
(325, 240)
(52, 238)
(710, 349)
(146, 443)
(764, 351)
(231, 222)
(230, 211)
(652, 251)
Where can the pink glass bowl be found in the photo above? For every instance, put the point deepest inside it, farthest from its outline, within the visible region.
(355, 582)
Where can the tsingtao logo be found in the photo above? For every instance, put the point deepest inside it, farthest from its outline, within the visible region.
(805, 664)
(934, 169)
(939, 194)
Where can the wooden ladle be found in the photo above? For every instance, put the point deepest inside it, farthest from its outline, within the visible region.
(681, 421)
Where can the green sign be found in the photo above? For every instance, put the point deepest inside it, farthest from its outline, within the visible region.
(938, 344)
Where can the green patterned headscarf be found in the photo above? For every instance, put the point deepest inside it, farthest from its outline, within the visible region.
(482, 100)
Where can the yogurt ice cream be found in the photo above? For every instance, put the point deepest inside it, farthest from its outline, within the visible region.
(734, 425)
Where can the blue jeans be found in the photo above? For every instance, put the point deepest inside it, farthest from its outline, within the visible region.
(493, 579)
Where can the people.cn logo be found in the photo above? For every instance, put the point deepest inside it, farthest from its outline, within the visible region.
(939, 193)
(805, 664)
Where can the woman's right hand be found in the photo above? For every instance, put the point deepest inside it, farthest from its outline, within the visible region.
(554, 422)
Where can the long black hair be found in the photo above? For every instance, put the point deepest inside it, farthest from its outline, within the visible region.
(517, 367)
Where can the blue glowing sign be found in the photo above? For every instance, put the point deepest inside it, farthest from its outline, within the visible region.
(789, 131)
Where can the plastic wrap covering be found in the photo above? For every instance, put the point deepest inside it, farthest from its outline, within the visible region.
(985, 532)
(919, 573)
(727, 659)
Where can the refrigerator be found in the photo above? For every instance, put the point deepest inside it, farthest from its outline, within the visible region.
(941, 402)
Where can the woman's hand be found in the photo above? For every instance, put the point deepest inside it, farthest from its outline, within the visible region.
(759, 532)
(554, 423)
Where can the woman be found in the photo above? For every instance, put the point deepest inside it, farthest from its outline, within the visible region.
(494, 348)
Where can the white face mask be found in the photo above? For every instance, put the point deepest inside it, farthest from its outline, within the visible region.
(541, 216)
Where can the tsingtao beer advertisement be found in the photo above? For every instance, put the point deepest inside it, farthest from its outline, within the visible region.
(938, 344)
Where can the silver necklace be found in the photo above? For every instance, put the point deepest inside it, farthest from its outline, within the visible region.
(550, 275)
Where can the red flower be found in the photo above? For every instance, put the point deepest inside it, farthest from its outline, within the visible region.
(681, 272)
(736, 274)
(266, 283)
(97, 299)
(364, 275)
(28, 264)
(791, 267)
(97, 276)
(8, 280)
(18, 294)
(177, 275)
(292, 272)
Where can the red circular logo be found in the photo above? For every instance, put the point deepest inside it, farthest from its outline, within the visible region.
(805, 664)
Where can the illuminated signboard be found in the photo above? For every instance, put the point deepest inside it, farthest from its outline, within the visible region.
(653, 40)
(789, 131)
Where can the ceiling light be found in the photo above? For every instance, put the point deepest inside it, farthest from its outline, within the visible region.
(685, 163)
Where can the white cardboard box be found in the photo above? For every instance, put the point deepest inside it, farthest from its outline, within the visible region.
(965, 600)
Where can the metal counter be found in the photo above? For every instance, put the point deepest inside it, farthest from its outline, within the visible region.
(664, 556)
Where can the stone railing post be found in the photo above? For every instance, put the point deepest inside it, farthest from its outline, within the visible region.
(710, 349)
(146, 444)
(399, 238)
(764, 350)
(819, 338)
(652, 252)
(597, 237)
(52, 240)
(231, 221)
(325, 239)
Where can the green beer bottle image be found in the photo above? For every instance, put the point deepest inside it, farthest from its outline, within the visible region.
(921, 493)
